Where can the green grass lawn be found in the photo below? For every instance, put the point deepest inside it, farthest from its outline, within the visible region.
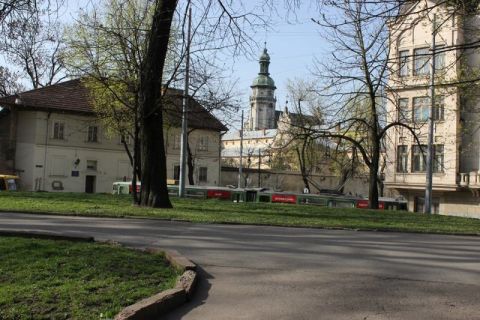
(51, 279)
(217, 211)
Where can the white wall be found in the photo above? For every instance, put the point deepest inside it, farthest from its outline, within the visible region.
(44, 161)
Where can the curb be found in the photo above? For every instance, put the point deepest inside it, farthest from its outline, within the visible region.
(149, 308)
(43, 235)
(164, 302)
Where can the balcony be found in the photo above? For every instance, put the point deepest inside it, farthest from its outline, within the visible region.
(469, 180)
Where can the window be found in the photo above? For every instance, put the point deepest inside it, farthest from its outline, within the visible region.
(418, 158)
(421, 107)
(92, 134)
(439, 58)
(438, 158)
(58, 130)
(176, 172)
(176, 141)
(438, 108)
(203, 144)
(403, 63)
(92, 165)
(202, 174)
(403, 110)
(421, 61)
(402, 159)
(420, 203)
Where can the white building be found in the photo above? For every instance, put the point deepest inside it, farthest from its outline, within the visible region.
(456, 180)
(52, 138)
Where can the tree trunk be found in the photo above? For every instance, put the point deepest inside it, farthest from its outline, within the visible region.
(373, 186)
(154, 168)
(190, 164)
(136, 165)
(133, 162)
(303, 166)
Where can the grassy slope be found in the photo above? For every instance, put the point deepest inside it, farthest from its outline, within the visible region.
(215, 211)
(48, 279)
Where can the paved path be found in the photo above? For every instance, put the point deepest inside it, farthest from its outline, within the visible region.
(252, 272)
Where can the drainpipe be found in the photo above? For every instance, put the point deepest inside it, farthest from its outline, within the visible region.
(45, 154)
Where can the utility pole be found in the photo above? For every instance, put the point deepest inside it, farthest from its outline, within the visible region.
(259, 167)
(241, 155)
(183, 147)
(427, 208)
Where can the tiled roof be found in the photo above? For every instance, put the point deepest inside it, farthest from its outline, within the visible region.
(198, 116)
(72, 96)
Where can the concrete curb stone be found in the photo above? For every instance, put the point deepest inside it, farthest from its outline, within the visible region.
(187, 281)
(154, 306)
(43, 235)
(164, 302)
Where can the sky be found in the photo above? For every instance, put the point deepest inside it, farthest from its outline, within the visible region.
(292, 41)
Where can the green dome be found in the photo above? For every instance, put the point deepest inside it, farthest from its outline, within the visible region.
(263, 80)
(265, 56)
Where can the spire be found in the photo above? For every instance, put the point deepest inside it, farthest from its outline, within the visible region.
(264, 61)
(263, 78)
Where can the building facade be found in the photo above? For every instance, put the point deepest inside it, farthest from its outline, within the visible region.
(456, 150)
(53, 140)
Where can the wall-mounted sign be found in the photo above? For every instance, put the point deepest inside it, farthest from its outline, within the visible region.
(75, 173)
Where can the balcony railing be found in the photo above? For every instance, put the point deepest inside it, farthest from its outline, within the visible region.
(469, 179)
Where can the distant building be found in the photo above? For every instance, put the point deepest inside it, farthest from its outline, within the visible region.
(53, 139)
(264, 126)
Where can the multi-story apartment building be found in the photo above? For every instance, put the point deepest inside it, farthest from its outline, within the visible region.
(456, 181)
(53, 139)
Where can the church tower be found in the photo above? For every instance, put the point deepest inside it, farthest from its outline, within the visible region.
(262, 100)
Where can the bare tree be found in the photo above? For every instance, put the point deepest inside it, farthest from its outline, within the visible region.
(9, 83)
(296, 125)
(9, 10)
(355, 79)
(32, 43)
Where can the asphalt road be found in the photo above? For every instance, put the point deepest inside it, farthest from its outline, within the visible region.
(251, 272)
